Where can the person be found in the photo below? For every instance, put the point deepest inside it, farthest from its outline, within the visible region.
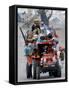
(28, 50)
(36, 27)
(29, 36)
(41, 38)
(43, 27)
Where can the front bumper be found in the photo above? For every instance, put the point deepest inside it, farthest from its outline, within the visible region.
(48, 68)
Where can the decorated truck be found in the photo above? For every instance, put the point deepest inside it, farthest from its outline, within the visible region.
(42, 55)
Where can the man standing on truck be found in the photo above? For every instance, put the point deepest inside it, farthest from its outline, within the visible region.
(36, 27)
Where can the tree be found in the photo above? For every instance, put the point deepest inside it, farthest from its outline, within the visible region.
(44, 17)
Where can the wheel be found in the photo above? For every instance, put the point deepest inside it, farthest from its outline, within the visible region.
(28, 70)
(33, 69)
(50, 73)
(38, 72)
(57, 72)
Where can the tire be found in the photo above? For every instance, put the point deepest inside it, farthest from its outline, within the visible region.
(38, 72)
(28, 70)
(50, 73)
(33, 69)
(57, 72)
